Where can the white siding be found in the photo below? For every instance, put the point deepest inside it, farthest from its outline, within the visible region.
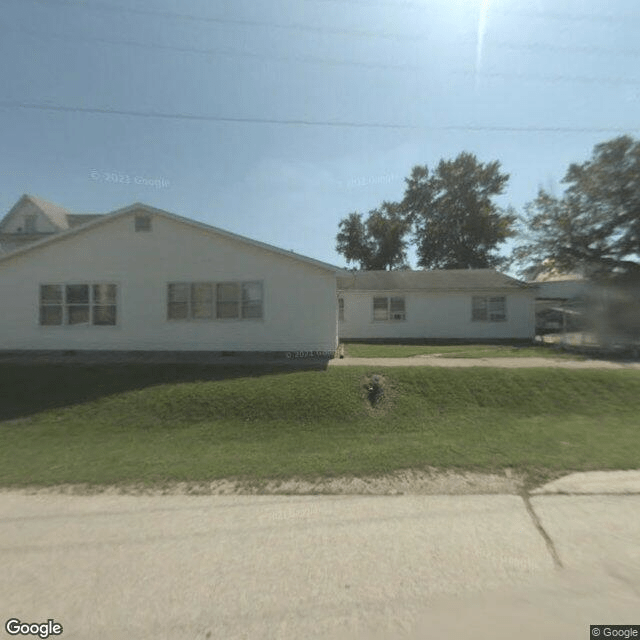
(299, 308)
(16, 223)
(436, 315)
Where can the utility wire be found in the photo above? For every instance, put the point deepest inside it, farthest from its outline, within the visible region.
(317, 123)
(546, 15)
(329, 62)
(218, 52)
(541, 78)
(188, 116)
(100, 6)
(544, 47)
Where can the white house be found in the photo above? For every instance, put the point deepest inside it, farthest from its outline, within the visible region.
(467, 304)
(32, 219)
(143, 279)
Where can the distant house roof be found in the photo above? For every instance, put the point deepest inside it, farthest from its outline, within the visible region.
(76, 219)
(440, 280)
(59, 217)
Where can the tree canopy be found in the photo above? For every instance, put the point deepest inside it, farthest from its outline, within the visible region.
(595, 226)
(378, 243)
(456, 224)
(449, 215)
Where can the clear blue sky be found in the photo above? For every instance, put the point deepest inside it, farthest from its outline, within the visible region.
(277, 119)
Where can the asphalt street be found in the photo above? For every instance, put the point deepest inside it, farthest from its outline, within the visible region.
(116, 567)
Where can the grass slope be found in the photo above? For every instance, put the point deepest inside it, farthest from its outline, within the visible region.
(155, 424)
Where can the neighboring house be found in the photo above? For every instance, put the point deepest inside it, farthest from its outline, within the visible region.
(144, 279)
(468, 304)
(32, 219)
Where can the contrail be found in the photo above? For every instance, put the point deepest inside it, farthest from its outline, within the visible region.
(482, 27)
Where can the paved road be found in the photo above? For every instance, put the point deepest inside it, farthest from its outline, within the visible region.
(195, 567)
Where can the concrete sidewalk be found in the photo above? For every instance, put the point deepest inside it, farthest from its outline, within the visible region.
(411, 566)
(509, 363)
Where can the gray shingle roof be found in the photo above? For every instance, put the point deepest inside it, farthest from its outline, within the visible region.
(76, 219)
(444, 279)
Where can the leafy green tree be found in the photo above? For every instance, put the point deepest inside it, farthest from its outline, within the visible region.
(377, 243)
(595, 226)
(456, 224)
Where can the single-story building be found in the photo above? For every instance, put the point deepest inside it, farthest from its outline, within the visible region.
(456, 304)
(143, 279)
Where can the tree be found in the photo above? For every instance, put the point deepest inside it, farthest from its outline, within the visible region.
(456, 225)
(377, 243)
(595, 226)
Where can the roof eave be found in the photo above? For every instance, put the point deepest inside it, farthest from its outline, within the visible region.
(139, 206)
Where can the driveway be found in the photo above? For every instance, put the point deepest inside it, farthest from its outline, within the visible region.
(412, 566)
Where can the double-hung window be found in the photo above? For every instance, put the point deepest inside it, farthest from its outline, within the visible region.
(239, 300)
(190, 301)
(391, 308)
(209, 300)
(78, 304)
(251, 300)
(488, 309)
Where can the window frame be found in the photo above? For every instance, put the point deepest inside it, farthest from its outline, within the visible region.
(236, 300)
(244, 286)
(68, 304)
(142, 223)
(30, 223)
(243, 301)
(489, 308)
(389, 311)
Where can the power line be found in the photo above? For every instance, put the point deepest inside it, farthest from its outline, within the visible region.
(573, 17)
(372, 34)
(330, 62)
(188, 116)
(218, 52)
(560, 78)
(317, 123)
(546, 15)
(541, 46)
(100, 6)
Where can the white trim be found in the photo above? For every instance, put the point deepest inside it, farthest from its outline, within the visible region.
(65, 326)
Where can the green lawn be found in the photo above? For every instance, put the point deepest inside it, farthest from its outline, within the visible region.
(150, 425)
(358, 350)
